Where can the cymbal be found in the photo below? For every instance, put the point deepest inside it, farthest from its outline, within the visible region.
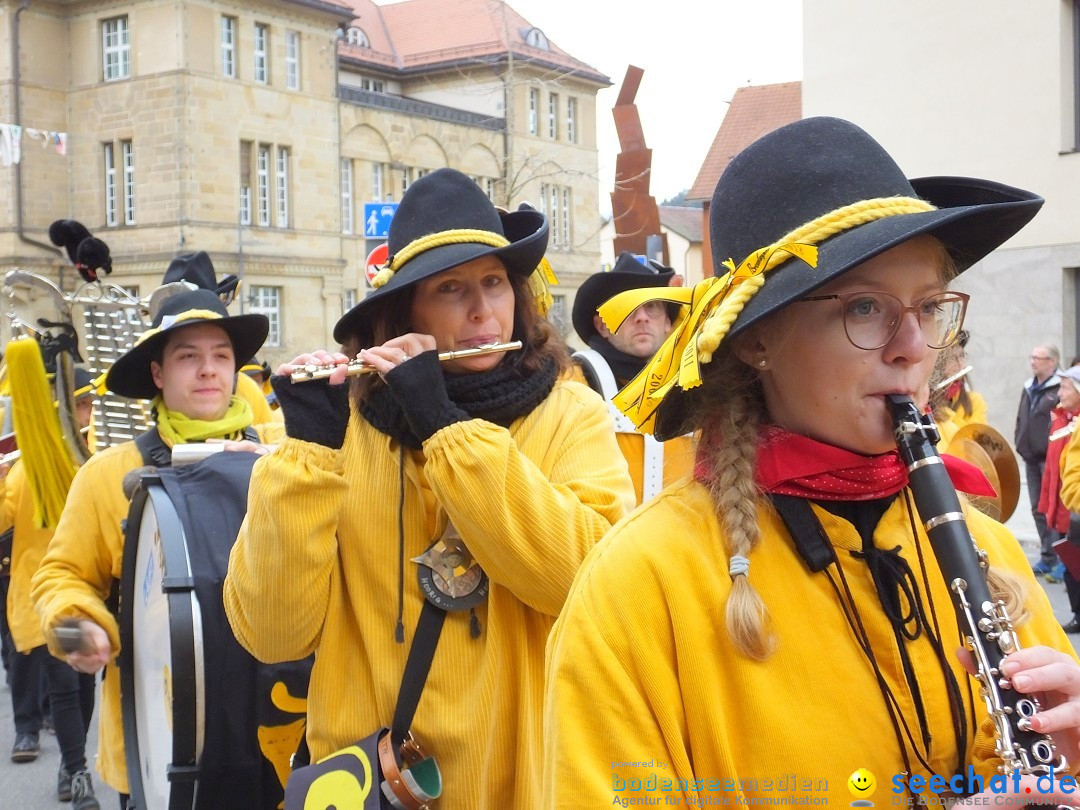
(971, 451)
(1002, 459)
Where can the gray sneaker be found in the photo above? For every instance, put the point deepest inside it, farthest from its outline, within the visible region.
(82, 791)
(63, 785)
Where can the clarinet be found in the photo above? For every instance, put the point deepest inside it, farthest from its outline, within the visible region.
(987, 630)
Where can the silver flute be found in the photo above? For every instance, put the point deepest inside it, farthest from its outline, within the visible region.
(314, 371)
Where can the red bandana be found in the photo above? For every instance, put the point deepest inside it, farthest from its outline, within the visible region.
(789, 464)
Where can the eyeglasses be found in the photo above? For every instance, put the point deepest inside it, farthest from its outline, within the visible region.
(871, 319)
(1040, 357)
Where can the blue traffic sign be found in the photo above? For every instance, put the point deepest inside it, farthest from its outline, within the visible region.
(377, 218)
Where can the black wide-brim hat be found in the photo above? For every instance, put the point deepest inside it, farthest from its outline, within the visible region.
(805, 170)
(627, 274)
(130, 375)
(197, 268)
(442, 202)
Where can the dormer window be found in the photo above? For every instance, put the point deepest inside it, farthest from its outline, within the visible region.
(535, 38)
(356, 36)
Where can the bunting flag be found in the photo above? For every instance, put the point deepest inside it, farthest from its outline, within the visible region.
(11, 141)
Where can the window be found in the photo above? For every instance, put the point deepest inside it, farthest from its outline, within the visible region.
(119, 184)
(292, 60)
(553, 215)
(348, 299)
(346, 196)
(127, 156)
(262, 53)
(534, 110)
(228, 47)
(110, 186)
(564, 223)
(281, 186)
(267, 301)
(535, 38)
(245, 182)
(489, 188)
(115, 49)
(557, 315)
(406, 178)
(373, 85)
(543, 198)
(553, 115)
(571, 120)
(262, 175)
(357, 37)
(376, 182)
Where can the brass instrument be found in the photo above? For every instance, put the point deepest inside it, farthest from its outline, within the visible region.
(944, 384)
(1061, 433)
(313, 371)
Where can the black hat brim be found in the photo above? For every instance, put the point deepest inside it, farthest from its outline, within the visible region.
(599, 287)
(130, 375)
(528, 234)
(974, 217)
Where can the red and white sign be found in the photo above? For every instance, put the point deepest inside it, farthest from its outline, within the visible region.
(375, 260)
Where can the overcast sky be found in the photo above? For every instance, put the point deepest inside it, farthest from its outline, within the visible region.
(695, 54)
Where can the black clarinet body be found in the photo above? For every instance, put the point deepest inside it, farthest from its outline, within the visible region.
(987, 629)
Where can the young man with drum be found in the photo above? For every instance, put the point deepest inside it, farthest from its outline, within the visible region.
(186, 365)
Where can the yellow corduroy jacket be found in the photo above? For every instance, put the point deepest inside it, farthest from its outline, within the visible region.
(84, 558)
(28, 547)
(316, 568)
(644, 684)
(1070, 473)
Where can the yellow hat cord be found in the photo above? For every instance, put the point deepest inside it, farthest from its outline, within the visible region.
(715, 303)
(44, 454)
(434, 240)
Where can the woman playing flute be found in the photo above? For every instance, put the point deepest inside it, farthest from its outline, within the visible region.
(790, 637)
(481, 482)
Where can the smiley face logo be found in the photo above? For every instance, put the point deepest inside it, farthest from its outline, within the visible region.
(862, 784)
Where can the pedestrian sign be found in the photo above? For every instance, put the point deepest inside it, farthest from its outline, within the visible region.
(377, 218)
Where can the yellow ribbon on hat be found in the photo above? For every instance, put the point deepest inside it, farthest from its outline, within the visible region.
(433, 240)
(539, 281)
(678, 360)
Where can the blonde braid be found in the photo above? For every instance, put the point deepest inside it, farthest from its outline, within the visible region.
(731, 429)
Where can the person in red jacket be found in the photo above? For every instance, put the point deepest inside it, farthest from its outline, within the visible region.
(1057, 514)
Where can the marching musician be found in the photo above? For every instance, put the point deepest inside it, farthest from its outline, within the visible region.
(480, 483)
(783, 614)
(1051, 505)
(70, 693)
(612, 359)
(959, 404)
(186, 365)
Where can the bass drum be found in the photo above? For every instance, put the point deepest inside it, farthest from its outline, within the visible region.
(162, 670)
(206, 726)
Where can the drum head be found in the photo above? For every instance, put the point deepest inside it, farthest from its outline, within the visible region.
(161, 659)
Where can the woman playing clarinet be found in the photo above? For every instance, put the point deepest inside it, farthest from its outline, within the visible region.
(468, 491)
(779, 629)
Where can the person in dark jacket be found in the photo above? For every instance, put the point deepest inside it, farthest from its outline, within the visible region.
(1038, 399)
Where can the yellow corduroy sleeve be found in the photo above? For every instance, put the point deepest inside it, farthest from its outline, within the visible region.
(529, 530)
(613, 715)
(1070, 473)
(87, 549)
(278, 583)
(10, 485)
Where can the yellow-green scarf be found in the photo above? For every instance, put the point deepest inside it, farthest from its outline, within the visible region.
(175, 428)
